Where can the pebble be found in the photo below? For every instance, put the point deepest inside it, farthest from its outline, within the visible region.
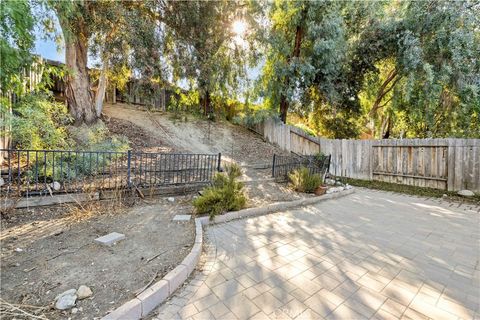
(55, 185)
(18, 250)
(74, 310)
(171, 199)
(84, 292)
(2, 182)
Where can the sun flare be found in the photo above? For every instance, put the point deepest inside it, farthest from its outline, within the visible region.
(239, 27)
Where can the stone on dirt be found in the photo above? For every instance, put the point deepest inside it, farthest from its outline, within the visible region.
(2, 182)
(182, 217)
(466, 193)
(55, 185)
(171, 199)
(65, 293)
(110, 239)
(66, 300)
(84, 292)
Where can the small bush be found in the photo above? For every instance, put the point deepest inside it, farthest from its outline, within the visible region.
(226, 194)
(39, 123)
(302, 180)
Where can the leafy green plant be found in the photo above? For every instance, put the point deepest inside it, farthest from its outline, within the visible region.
(302, 180)
(39, 123)
(226, 194)
(306, 129)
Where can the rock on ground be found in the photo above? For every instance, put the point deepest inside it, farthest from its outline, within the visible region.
(466, 193)
(65, 293)
(66, 300)
(84, 292)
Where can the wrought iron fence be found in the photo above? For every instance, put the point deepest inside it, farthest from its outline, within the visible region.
(38, 172)
(283, 165)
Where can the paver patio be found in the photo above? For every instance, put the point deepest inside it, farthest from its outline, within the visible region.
(369, 255)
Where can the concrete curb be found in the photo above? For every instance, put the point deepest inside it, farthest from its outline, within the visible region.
(271, 208)
(154, 295)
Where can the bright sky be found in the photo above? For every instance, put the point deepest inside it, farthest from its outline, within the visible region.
(48, 49)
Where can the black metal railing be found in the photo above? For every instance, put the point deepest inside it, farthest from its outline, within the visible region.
(37, 172)
(283, 165)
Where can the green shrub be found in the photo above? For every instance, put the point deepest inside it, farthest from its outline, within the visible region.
(253, 117)
(225, 194)
(306, 129)
(39, 122)
(97, 137)
(302, 180)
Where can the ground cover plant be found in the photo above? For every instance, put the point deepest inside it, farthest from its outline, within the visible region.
(226, 194)
(301, 180)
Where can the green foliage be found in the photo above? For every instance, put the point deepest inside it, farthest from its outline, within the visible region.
(202, 48)
(251, 118)
(380, 68)
(302, 180)
(38, 122)
(97, 138)
(16, 41)
(226, 194)
(307, 130)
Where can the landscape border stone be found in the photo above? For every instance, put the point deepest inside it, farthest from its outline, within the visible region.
(153, 296)
(271, 208)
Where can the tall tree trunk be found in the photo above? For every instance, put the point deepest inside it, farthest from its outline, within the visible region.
(295, 54)
(102, 87)
(206, 103)
(78, 93)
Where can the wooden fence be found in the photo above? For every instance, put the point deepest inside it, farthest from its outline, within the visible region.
(448, 164)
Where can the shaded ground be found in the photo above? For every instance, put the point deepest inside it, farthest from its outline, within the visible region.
(140, 139)
(370, 255)
(58, 253)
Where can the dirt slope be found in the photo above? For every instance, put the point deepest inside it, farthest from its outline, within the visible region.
(196, 135)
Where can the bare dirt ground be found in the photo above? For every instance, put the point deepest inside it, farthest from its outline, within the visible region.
(236, 144)
(55, 252)
(197, 135)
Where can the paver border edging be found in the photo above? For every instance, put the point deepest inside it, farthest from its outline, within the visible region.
(156, 294)
(271, 208)
(150, 298)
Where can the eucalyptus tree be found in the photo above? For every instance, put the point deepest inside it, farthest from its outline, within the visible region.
(108, 29)
(203, 46)
(406, 68)
(425, 74)
(308, 57)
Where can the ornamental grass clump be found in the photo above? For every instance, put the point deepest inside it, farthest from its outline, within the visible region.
(226, 194)
(301, 180)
